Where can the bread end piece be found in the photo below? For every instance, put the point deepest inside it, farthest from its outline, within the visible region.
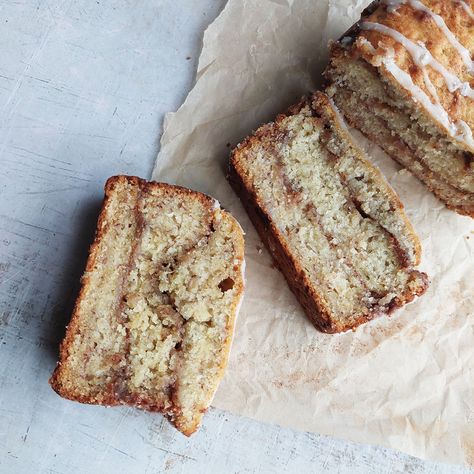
(419, 111)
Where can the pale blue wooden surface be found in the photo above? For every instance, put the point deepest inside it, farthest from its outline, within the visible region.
(84, 86)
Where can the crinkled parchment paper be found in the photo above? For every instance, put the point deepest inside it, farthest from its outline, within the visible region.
(406, 381)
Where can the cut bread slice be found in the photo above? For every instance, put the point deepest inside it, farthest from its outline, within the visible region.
(153, 322)
(334, 226)
(403, 76)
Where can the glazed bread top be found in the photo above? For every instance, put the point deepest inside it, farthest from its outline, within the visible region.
(424, 50)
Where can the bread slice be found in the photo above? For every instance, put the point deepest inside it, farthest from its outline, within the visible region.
(403, 77)
(153, 322)
(334, 226)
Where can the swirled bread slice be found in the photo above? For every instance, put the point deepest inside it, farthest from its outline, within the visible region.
(334, 226)
(403, 75)
(153, 323)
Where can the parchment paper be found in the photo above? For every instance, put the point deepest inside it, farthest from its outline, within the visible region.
(403, 382)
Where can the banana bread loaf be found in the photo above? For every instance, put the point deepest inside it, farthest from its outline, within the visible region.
(153, 323)
(334, 226)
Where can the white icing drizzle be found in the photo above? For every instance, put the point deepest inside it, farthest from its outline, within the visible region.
(458, 130)
(393, 5)
(338, 114)
(422, 57)
(346, 41)
(216, 204)
(368, 45)
(466, 131)
(467, 9)
(417, 5)
(429, 85)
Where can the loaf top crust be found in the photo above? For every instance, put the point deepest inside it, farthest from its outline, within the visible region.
(423, 49)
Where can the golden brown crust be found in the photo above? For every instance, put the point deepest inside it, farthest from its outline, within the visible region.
(297, 279)
(109, 396)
